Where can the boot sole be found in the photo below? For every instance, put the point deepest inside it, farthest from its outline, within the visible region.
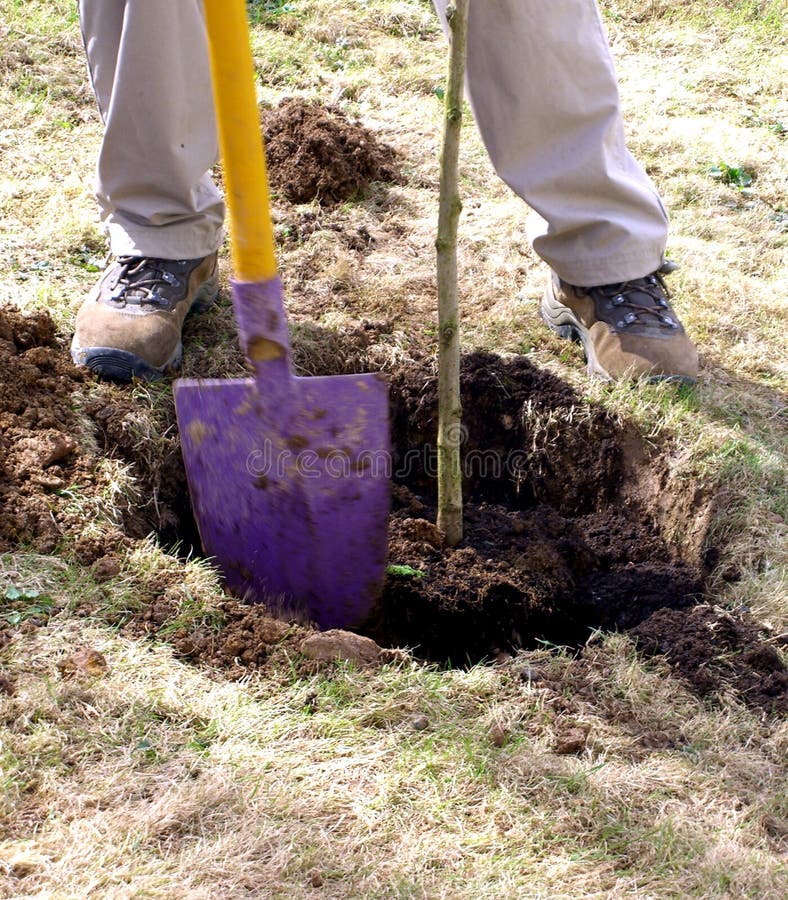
(121, 365)
(563, 322)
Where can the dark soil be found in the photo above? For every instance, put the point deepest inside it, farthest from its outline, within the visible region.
(316, 153)
(716, 652)
(527, 436)
(547, 553)
(519, 577)
(554, 545)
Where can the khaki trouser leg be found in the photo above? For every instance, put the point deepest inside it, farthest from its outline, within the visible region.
(543, 88)
(148, 63)
(540, 79)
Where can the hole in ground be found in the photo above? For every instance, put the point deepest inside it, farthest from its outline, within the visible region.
(566, 512)
(557, 542)
(560, 536)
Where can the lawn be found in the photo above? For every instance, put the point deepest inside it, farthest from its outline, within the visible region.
(159, 739)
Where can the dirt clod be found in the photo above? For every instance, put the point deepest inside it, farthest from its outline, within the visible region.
(106, 567)
(86, 661)
(498, 735)
(7, 686)
(336, 644)
(571, 741)
(246, 639)
(317, 153)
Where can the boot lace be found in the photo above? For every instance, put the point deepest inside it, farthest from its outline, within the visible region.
(628, 299)
(139, 280)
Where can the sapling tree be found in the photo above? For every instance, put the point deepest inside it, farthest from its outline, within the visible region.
(449, 405)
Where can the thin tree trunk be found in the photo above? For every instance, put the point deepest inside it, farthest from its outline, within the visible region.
(449, 406)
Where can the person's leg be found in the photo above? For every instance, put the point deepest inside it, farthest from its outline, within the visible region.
(148, 63)
(543, 89)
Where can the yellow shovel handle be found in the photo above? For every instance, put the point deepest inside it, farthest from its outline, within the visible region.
(240, 140)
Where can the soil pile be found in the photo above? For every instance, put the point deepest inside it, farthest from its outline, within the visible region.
(316, 153)
(248, 638)
(51, 417)
(40, 454)
(717, 652)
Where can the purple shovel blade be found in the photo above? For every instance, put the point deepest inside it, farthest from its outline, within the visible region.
(289, 480)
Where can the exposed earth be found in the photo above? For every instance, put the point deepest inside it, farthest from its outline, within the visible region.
(566, 519)
(551, 551)
(316, 153)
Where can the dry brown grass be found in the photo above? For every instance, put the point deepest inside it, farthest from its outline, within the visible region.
(159, 781)
(164, 781)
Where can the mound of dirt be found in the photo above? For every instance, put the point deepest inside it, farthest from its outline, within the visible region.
(316, 153)
(248, 638)
(718, 652)
(52, 482)
(40, 456)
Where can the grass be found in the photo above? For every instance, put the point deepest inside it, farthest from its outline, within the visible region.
(164, 780)
(368, 782)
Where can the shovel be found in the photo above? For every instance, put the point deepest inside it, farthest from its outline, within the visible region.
(288, 476)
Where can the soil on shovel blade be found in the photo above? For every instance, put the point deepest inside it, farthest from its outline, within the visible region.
(558, 542)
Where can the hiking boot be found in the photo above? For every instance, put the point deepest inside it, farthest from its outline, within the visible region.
(130, 324)
(627, 330)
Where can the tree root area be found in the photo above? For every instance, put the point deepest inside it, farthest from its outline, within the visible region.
(558, 543)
